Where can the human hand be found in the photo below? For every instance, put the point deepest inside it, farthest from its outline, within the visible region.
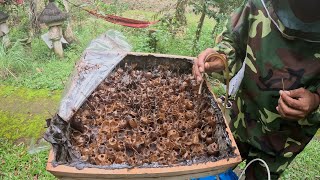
(297, 104)
(211, 65)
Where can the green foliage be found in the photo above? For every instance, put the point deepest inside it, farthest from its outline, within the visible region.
(209, 6)
(116, 7)
(217, 9)
(14, 60)
(180, 16)
(19, 20)
(16, 163)
(41, 69)
(179, 43)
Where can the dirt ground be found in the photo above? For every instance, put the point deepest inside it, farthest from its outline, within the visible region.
(146, 5)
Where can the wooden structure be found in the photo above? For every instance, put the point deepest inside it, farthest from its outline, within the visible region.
(4, 29)
(54, 18)
(170, 173)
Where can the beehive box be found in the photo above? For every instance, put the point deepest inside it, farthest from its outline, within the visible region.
(182, 170)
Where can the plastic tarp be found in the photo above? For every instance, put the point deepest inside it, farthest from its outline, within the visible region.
(97, 61)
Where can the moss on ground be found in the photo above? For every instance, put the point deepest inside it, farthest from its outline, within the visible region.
(21, 126)
(23, 112)
(29, 94)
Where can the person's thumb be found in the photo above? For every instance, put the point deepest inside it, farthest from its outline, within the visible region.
(214, 66)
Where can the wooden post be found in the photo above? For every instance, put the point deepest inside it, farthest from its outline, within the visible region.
(68, 33)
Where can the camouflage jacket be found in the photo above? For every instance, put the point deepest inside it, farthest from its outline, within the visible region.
(272, 54)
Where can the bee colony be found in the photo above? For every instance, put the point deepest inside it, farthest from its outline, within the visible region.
(146, 119)
(146, 116)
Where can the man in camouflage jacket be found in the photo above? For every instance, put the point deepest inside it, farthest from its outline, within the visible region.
(276, 112)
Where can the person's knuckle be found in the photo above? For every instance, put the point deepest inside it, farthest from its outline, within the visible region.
(286, 111)
(302, 90)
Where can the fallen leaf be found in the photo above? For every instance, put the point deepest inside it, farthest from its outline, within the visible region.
(39, 70)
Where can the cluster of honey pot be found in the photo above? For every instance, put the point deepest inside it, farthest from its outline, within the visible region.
(146, 116)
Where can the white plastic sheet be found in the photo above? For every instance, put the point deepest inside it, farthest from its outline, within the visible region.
(97, 61)
(45, 38)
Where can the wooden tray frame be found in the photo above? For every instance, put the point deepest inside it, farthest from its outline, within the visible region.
(168, 173)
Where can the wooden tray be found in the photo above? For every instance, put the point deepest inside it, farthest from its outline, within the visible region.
(176, 172)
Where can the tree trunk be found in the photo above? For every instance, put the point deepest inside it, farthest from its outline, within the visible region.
(34, 29)
(214, 31)
(180, 12)
(68, 33)
(199, 29)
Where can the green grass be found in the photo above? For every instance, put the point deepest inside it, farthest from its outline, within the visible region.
(37, 67)
(45, 70)
(14, 60)
(306, 165)
(17, 163)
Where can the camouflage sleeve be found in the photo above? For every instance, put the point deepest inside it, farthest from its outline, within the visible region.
(232, 42)
(314, 117)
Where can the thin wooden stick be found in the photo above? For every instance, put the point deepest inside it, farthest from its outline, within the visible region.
(219, 56)
(282, 84)
(11, 73)
(207, 58)
(201, 84)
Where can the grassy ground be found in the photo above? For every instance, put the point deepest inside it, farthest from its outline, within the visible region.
(306, 165)
(17, 163)
(38, 68)
(32, 93)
